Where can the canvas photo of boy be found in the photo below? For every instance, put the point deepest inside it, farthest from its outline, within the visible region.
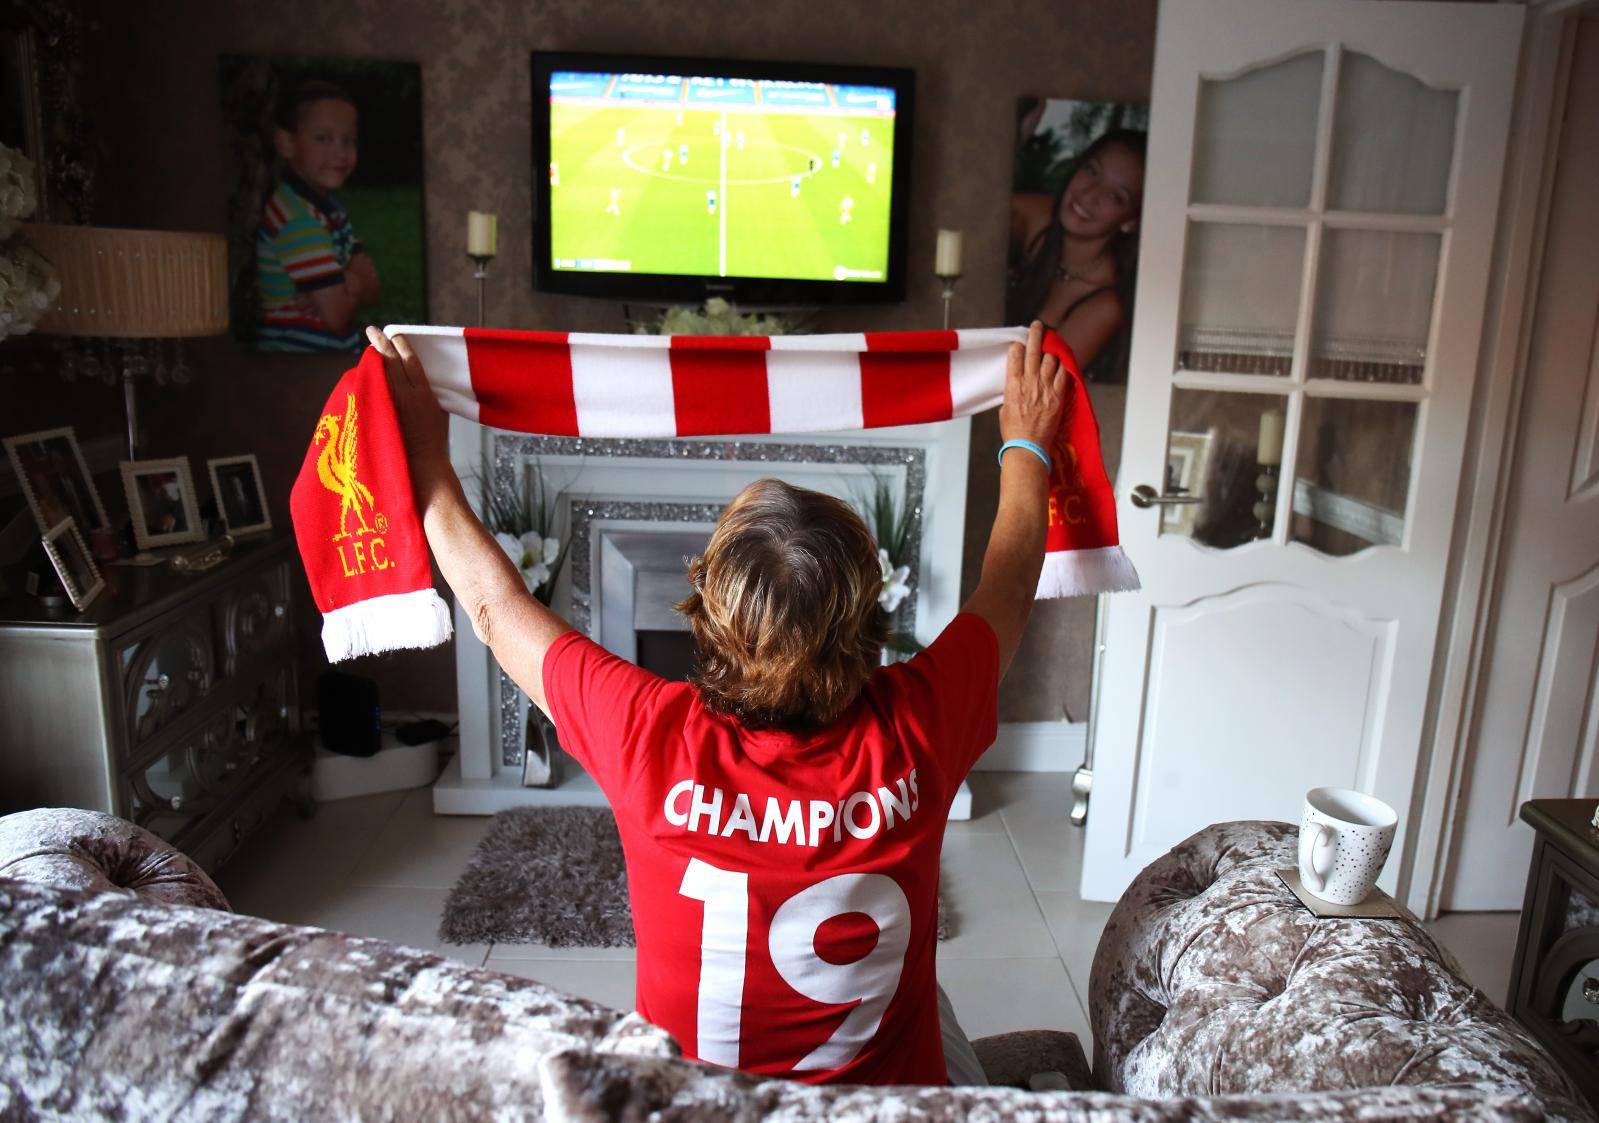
(328, 184)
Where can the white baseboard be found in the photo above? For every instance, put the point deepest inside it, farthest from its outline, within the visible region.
(1036, 746)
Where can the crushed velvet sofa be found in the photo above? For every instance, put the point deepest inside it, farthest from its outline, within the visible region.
(128, 991)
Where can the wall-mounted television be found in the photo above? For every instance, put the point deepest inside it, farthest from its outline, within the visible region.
(672, 179)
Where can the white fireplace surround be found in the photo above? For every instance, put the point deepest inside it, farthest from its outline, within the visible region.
(617, 490)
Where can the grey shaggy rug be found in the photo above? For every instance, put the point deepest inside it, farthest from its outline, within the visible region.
(551, 876)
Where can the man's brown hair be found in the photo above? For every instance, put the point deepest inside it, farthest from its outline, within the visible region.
(784, 609)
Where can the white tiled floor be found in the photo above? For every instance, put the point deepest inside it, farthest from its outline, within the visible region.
(1020, 956)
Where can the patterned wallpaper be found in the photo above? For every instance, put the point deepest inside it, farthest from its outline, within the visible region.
(152, 89)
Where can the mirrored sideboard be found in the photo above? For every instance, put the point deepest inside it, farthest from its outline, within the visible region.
(171, 701)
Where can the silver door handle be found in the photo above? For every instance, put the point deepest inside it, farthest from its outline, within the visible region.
(1145, 496)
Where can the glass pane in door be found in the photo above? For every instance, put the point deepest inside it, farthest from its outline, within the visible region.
(1240, 298)
(1224, 448)
(1374, 301)
(1393, 141)
(1353, 474)
(1255, 135)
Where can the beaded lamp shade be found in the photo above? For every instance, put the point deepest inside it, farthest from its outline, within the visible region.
(134, 284)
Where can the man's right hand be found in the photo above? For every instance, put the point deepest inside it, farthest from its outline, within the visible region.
(1036, 387)
(423, 422)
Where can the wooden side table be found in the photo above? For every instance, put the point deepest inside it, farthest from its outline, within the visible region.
(1554, 983)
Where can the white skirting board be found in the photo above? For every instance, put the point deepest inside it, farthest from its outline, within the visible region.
(1036, 746)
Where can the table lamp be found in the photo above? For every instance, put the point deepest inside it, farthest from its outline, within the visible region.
(136, 293)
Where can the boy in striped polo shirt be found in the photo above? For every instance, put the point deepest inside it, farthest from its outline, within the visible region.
(312, 276)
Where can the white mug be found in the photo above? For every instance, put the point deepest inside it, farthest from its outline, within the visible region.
(1344, 839)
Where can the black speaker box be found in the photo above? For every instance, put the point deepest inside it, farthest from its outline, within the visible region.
(348, 714)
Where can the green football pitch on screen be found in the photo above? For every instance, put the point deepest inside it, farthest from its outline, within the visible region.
(720, 193)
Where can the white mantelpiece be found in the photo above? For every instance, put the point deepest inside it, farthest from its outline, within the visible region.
(620, 488)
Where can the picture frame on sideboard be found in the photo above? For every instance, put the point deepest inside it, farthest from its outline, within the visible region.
(55, 479)
(240, 495)
(74, 565)
(162, 503)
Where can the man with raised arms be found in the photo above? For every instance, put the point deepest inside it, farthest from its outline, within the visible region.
(782, 814)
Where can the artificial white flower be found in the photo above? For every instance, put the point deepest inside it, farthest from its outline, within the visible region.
(28, 286)
(534, 556)
(19, 193)
(537, 550)
(895, 586)
(538, 559)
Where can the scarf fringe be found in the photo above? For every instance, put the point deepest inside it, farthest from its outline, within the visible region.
(1083, 573)
(387, 623)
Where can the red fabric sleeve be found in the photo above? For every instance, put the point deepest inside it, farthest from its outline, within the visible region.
(950, 691)
(604, 707)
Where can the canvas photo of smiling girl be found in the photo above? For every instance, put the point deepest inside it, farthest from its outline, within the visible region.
(1077, 191)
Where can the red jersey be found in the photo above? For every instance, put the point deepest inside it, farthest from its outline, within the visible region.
(785, 887)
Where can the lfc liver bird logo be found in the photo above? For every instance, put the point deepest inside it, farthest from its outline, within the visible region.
(335, 467)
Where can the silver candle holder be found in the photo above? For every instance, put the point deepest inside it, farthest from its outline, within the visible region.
(948, 294)
(480, 273)
(1265, 510)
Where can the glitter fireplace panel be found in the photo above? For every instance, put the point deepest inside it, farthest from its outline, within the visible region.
(515, 454)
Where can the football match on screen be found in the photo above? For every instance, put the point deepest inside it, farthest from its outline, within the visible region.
(728, 177)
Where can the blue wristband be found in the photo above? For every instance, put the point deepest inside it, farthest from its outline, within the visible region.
(1036, 449)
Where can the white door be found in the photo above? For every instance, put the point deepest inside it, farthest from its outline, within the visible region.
(1318, 220)
(1539, 729)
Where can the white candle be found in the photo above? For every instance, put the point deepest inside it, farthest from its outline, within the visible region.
(482, 234)
(947, 260)
(1269, 447)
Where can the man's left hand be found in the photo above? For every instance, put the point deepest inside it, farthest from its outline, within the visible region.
(423, 422)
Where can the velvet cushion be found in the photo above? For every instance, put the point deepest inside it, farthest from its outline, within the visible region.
(78, 849)
(1212, 978)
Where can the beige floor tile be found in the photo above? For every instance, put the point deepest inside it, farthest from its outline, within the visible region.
(408, 916)
(606, 981)
(1485, 944)
(290, 900)
(1076, 926)
(997, 996)
(985, 808)
(1036, 809)
(418, 849)
(993, 911)
(1050, 791)
(366, 812)
(541, 951)
(290, 859)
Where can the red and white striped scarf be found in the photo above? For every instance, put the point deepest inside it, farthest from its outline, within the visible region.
(362, 542)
